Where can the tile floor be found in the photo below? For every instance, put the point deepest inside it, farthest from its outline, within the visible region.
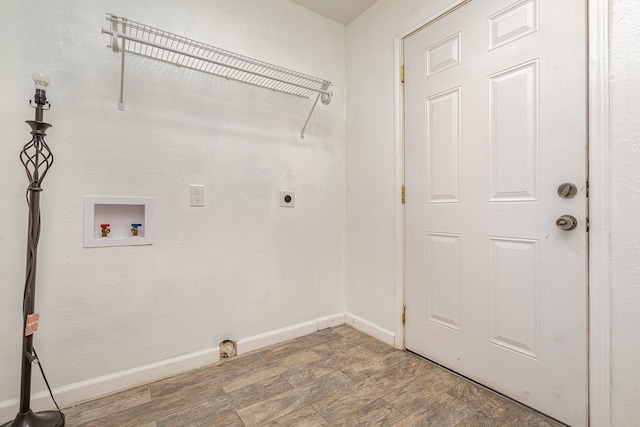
(335, 377)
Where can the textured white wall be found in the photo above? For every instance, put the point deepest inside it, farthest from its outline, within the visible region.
(240, 266)
(370, 177)
(625, 211)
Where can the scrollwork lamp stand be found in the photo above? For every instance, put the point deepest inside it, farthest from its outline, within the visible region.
(37, 160)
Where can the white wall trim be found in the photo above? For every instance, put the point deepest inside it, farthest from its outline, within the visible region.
(107, 384)
(399, 207)
(599, 214)
(599, 203)
(255, 342)
(444, 10)
(330, 321)
(370, 329)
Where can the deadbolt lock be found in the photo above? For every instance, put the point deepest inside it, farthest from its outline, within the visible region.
(567, 190)
(566, 222)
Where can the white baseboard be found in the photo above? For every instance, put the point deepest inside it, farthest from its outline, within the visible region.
(330, 321)
(255, 342)
(107, 384)
(371, 329)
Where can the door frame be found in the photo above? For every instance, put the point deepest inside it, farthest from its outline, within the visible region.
(599, 295)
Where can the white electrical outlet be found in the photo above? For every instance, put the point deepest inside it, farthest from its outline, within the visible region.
(287, 199)
(196, 193)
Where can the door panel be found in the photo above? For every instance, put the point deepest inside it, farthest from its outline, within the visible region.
(513, 134)
(495, 121)
(443, 147)
(513, 295)
(444, 280)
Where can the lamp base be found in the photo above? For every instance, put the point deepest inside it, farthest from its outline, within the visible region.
(37, 419)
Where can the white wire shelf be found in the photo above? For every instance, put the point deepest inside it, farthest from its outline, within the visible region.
(144, 40)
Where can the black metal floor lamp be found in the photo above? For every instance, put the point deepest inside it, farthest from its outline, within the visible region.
(37, 159)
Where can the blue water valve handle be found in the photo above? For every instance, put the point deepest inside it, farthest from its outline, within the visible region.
(134, 229)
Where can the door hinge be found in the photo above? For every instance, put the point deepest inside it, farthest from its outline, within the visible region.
(403, 195)
(404, 314)
(402, 74)
(587, 188)
(588, 224)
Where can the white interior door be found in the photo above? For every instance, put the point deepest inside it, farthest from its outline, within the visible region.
(495, 122)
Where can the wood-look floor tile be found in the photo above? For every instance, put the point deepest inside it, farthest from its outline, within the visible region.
(256, 392)
(342, 358)
(412, 396)
(199, 412)
(373, 365)
(348, 342)
(296, 359)
(285, 403)
(479, 419)
(214, 376)
(347, 331)
(328, 362)
(294, 362)
(304, 374)
(305, 382)
(169, 385)
(442, 377)
(471, 394)
(375, 346)
(346, 401)
(249, 378)
(489, 414)
(107, 423)
(240, 363)
(418, 393)
(100, 407)
(304, 417)
(443, 411)
(170, 405)
(229, 420)
(376, 413)
(417, 366)
(523, 417)
(304, 343)
(195, 388)
(341, 343)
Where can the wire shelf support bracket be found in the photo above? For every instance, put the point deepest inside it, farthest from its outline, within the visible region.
(132, 37)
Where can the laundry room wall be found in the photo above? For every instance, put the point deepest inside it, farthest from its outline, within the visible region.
(239, 267)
